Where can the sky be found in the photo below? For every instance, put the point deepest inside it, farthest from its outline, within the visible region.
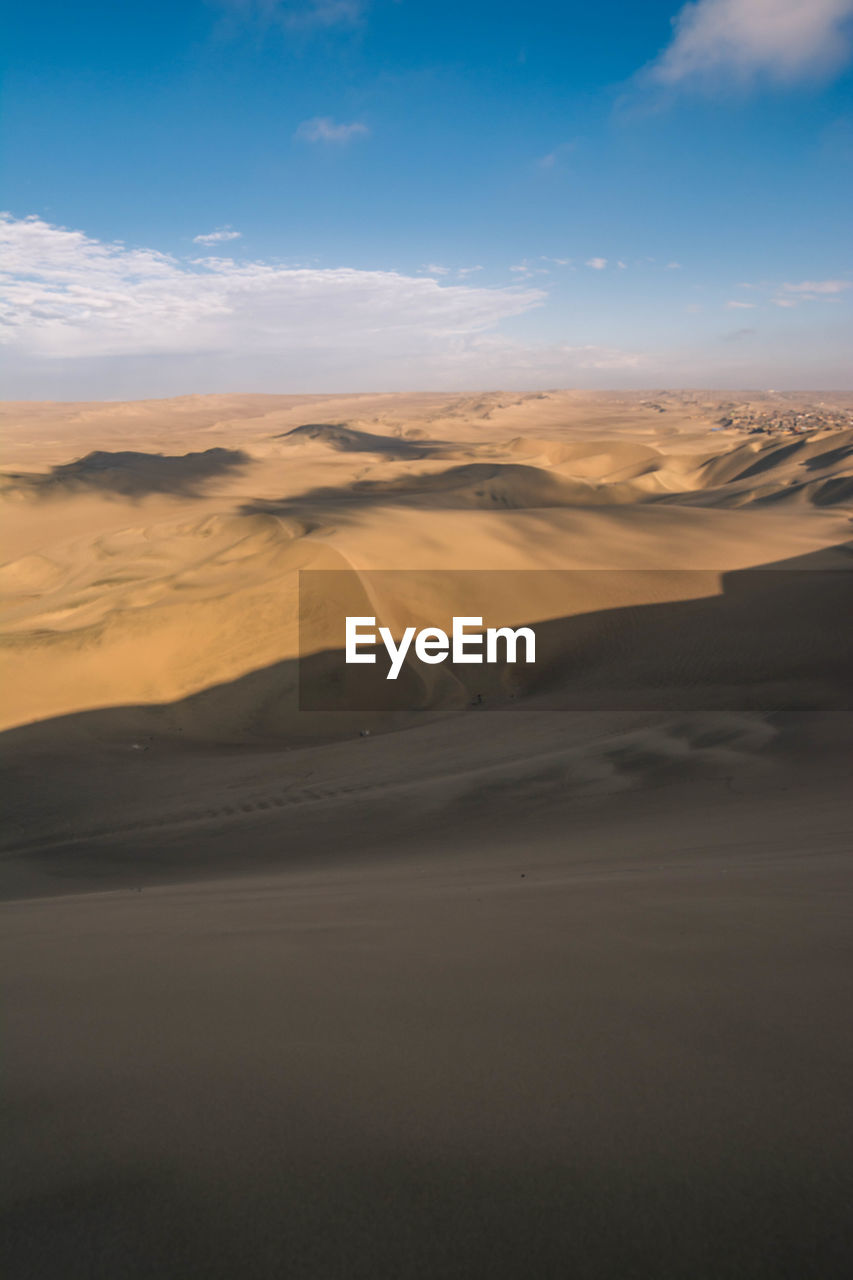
(380, 195)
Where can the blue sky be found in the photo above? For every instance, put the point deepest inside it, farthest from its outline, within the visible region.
(331, 195)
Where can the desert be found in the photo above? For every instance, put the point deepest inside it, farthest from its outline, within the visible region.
(532, 969)
(426, 640)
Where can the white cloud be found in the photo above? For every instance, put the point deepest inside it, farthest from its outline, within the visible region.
(325, 129)
(525, 269)
(68, 296)
(785, 40)
(791, 295)
(734, 305)
(597, 264)
(436, 269)
(819, 286)
(218, 237)
(672, 266)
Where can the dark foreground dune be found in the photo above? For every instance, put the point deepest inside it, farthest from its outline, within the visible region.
(616, 1048)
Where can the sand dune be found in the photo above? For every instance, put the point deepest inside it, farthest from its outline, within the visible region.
(140, 576)
(464, 975)
(152, 603)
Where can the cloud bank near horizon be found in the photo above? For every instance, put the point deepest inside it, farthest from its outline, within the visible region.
(69, 296)
(83, 318)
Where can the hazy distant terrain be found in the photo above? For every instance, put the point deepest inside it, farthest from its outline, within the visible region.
(540, 976)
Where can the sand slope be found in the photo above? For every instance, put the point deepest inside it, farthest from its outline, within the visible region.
(546, 975)
(151, 596)
(145, 575)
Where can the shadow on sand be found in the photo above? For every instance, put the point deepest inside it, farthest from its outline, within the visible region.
(772, 638)
(346, 439)
(129, 474)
